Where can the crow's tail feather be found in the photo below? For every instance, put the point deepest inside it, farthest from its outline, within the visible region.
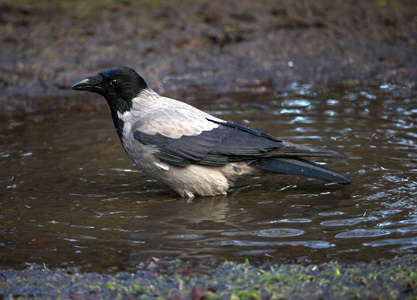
(300, 167)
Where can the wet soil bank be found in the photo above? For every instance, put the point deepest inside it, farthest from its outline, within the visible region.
(181, 47)
(392, 279)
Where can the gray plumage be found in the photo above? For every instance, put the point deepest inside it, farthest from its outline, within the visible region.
(189, 150)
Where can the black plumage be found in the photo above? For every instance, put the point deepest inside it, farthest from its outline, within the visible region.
(228, 142)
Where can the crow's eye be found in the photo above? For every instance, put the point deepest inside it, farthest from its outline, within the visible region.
(113, 82)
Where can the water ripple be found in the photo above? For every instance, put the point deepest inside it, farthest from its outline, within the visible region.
(347, 222)
(390, 242)
(309, 244)
(273, 232)
(362, 233)
(292, 220)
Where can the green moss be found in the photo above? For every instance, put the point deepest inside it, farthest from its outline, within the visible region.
(395, 278)
(6, 29)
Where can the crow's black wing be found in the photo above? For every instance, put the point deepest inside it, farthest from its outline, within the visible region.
(226, 143)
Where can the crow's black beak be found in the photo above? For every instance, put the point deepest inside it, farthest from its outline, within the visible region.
(91, 84)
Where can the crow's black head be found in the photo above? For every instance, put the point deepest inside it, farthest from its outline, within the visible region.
(119, 85)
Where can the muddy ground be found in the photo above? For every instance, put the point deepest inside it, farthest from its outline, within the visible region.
(185, 47)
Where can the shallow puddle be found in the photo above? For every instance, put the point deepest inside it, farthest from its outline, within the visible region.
(70, 195)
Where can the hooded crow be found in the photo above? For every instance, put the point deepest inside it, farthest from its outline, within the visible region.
(192, 152)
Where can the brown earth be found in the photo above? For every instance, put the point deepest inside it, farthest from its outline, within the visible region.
(181, 46)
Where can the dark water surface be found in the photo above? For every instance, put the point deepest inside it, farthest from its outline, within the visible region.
(70, 196)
